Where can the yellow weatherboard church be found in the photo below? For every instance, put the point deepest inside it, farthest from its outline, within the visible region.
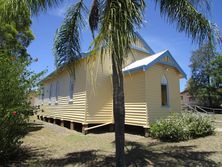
(151, 87)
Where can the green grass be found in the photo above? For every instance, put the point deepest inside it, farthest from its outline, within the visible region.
(77, 137)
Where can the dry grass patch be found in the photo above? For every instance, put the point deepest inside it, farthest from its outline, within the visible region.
(52, 145)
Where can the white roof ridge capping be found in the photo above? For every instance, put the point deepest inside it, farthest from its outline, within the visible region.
(145, 63)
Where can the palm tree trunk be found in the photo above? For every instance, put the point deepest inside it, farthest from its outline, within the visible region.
(119, 111)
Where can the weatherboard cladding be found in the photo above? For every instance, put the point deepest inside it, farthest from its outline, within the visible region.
(92, 104)
(64, 110)
(99, 93)
(145, 44)
(153, 78)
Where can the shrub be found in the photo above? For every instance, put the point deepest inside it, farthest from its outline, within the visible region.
(170, 129)
(183, 126)
(15, 85)
(16, 80)
(13, 127)
(199, 125)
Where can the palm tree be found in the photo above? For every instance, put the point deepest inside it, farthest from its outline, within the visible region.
(113, 24)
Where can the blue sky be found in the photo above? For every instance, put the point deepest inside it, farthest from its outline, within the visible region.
(159, 34)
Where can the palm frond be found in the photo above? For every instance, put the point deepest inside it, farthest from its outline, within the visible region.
(204, 6)
(42, 5)
(12, 7)
(189, 20)
(67, 39)
(94, 16)
(117, 29)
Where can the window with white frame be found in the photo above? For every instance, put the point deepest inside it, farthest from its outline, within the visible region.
(164, 91)
(57, 92)
(71, 88)
(50, 93)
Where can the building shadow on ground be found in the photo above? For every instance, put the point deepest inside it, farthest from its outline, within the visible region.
(33, 126)
(145, 155)
(137, 155)
(24, 155)
(135, 130)
(156, 154)
(21, 154)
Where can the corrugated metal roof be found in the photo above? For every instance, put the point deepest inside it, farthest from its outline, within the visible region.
(142, 64)
(145, 63)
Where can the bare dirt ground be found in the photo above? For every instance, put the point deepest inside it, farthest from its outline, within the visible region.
(52, 145)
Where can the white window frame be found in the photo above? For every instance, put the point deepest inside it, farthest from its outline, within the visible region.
(71, 89)
(57, 92)
(50, 94)
(164, 81)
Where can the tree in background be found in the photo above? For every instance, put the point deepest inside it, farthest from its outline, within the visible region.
(15, 33)
(16, 82)
(204, 81)
(216, 77)
(113, 24)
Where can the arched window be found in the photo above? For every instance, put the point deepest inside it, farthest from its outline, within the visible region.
(164, 92)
